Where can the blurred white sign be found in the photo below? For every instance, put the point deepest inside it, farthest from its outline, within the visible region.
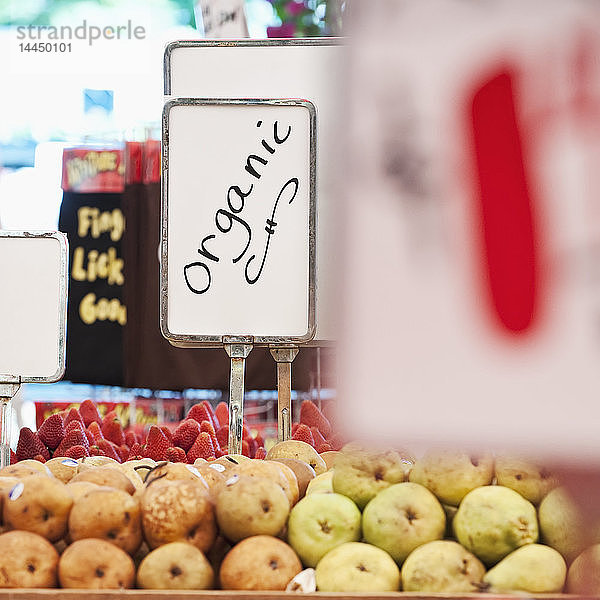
(472, 273)
(222, 18)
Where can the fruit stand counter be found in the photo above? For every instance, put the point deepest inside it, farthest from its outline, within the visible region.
(59, 594)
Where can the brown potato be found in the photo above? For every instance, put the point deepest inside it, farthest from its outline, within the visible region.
(213, 475)
(107, 514)
(27, 560)
(62, 468)
(260, 562)
(277, 472)
(39, 504)
(168, 471)
(108, 476)
(24, 468)
(303, 471)
(95, 564)
(175, 566)
(178, 511)
(81, 488)
(96, 461)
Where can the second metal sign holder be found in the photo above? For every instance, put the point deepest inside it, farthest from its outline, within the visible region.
(283, 349)
(11, 383)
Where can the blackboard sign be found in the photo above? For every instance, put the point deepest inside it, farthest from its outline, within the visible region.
(238, 231)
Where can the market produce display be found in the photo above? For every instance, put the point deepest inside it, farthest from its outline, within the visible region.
(89, 506)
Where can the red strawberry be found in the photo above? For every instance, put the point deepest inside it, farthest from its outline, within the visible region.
(52, 431)
(73, 438)
(186, 433)
(199, 413)
(245, 448)
(261, 453)
(168, 433)
(13, 457)
(156, 445)
(259, 440)
(329, 409)
(110, 449)
(222, 414)
(73, 415)
(202, 448)
(131, 438)
(304, 434)
(211, 414)
(76, 452)
(96, 432)
(113, 431)
(223, 437)
(109, 416)
(123, 452)
(295, 427)
(246, 435)
(311, 415)
(39, 458)
(336, 442)
(319, 439)
(89, 413)
(205, 426)
(176, 454)
(30, 445)
(136, 450)
(324, 448)
(71, 425)
(253, 447)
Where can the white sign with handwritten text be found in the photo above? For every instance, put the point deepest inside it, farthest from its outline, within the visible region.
(238, 254)
(221, 18)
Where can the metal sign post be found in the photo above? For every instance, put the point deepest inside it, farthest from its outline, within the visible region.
(238, 353)
(33, 314)
(7, 393)
(284, 357)
(238, 226)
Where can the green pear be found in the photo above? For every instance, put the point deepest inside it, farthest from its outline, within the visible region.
(530, 480)
(533, 568)
(583, 577)
(494, 520)
(319, 523)
(321, 484)
(561, 524)
(361, 473)
(357, 567)
(442, 566)
(452, 475)
(402, 517)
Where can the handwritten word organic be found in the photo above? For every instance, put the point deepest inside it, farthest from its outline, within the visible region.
(197, 274)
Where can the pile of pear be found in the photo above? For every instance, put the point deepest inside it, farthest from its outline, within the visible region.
(364, 519)
(453, 523)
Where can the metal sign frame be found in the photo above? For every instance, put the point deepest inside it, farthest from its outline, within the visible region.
(248, 43)
(14, 378)
(217, 341)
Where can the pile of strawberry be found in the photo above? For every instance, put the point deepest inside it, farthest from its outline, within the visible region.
(204, 433)
(315, 429)
(83, 432)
